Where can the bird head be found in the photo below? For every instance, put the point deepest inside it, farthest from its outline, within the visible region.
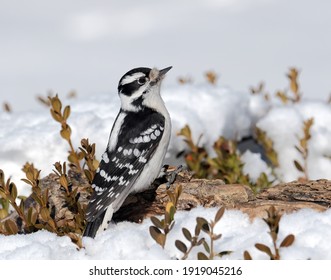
(140, 87)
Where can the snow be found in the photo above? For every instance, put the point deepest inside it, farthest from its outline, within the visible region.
(212, 111)
(254, 165)
(127, 241)
(283, 124)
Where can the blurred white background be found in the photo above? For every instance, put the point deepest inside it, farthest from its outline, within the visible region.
(87, 46)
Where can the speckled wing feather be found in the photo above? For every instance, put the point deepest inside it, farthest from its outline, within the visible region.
(120, 168)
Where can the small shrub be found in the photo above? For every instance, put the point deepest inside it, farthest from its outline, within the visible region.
(268, 147)
(273, 223)
(194, 240)
(302, 148)
(260, 90)
(88, 151)
(207, 227)
(293, 94)
(62, 117)
(161, 228)
(41, 213)
(227, 164)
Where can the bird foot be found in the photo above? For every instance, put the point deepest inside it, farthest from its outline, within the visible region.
(168, 174)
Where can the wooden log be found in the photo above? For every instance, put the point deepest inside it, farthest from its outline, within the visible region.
(287, 197)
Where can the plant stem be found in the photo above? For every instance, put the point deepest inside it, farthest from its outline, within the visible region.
(211, 234)
(74, 152)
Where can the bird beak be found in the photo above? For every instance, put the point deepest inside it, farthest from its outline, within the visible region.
(164, 71)
(157, 75)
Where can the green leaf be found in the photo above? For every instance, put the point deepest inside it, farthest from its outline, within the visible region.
(56, 103)
(44, 212)
(200, 241)
(52, 225)
(88, 175)
(45, 197)
(11, 227)
(3, 214)
(156, 222)
(58, 167)
(66, 133)
(171, 225)
(29, 175)
(171, 197)
(3, 194)
(224, 253)
(22, 197)
(96, 163)
(203, 224)
(206, 246)
(185, 131)
(206, 228)
(187, 234)
(13, 190)
(181, 246)
(29, 216)
(157, 236)
(64, 168)
(178, 192)
(37, 199)
(197, 230)
(22, 205)
(298, 166)
(66, 112)
(170, 212)
(56, 116)
(73, 157)
(80, 155)
(63, 181)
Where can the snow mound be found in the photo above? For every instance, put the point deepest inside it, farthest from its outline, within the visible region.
(127, 240)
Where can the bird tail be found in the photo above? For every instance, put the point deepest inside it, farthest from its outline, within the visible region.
(92, 228)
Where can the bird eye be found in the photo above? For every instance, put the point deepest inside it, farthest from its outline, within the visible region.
(142, 80)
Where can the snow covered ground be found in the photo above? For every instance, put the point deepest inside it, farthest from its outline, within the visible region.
(33, 136)
(129, 241)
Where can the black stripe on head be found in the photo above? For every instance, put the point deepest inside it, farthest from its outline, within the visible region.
(129, 87)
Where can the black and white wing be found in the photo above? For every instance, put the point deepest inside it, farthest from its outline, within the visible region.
(120, 167)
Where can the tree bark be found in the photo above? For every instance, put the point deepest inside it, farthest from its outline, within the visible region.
(287, 197)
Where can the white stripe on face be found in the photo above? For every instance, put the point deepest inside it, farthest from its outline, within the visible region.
(126, 101)
(131, 78)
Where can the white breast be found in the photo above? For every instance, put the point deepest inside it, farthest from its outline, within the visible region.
(153, 167)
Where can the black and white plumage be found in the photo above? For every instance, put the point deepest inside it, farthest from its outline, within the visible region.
(136, 149)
